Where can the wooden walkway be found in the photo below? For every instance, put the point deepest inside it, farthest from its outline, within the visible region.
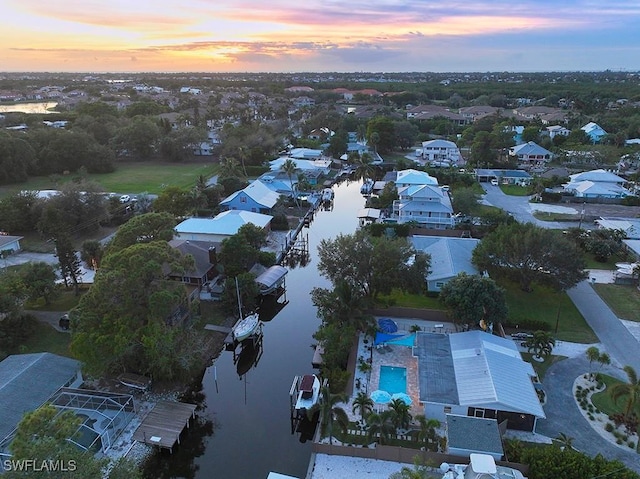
(219, 329)
(165, 422)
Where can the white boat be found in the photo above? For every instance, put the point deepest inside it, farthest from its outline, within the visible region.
(327, 195)
(308, 392)
(247, 325)
(481, 466)
(367, 187)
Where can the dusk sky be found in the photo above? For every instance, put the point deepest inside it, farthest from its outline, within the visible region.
(314, 35)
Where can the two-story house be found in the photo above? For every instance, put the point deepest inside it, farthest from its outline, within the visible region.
(594, 131)
(530, 155)
(441, 153)
(422, 201)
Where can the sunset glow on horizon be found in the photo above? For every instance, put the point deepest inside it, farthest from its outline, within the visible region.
(332, 35)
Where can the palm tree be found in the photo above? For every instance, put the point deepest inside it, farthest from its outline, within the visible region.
(564, 441)
(364, 166)
(427, 432)
(593, 354)
(289, 167)
(229, 168)
(380, 424)
(362, 403)
(541, 344)
(400, 415)
(630, 391)
(330, 413)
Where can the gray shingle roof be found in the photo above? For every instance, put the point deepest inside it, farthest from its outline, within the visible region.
(27, 381)
(473, 434)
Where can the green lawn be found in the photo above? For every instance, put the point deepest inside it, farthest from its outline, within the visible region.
(623, 300)
(548, 216)
(543, 304)
(405, 300)
(609, 264)
(65, 301)
(602, 400)
(515, 190)
(150, 177)
(47, 339)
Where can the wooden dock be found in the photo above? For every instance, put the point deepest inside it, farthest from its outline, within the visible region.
(165, 422)
(219, 329)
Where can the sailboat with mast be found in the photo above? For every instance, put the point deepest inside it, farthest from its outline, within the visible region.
(246, 325)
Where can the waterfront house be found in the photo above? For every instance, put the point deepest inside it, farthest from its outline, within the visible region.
(426, 205)
(256, 197)
(221, 227)
(449, 258)
(28, 380)
(476, 374)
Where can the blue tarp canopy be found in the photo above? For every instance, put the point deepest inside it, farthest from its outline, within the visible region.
(387, 325)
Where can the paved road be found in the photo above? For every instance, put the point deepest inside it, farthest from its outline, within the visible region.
(616, 338)
(519, 207)
(564, 416)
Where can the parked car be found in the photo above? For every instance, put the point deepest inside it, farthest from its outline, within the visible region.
(125, 199)
(521, 336)
(63, 322)
(494, 182)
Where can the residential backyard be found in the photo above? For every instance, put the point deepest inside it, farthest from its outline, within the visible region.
(516, 190)
(149, 177)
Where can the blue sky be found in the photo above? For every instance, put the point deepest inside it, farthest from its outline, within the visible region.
(314, 35)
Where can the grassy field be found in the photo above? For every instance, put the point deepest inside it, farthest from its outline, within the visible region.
(609, 264)
(623, 300)
(515, 190)
(150, 177)
(543, 304)
(398, 298)
(47, 339)
(548, 216)
(65, 301)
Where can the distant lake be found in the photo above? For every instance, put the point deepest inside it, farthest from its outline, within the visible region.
(41, 107)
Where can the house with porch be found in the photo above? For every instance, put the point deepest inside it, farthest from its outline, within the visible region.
(426, 205)
(530, 155)
(9, 244)
(256, 197)
(476, 374)
(441, 153)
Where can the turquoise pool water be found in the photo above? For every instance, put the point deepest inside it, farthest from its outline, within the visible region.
(393, 379)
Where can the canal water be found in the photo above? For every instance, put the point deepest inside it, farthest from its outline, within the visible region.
(244, 428)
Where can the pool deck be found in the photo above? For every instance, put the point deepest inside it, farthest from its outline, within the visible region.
(391, 355)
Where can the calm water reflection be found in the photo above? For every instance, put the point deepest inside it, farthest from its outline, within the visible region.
(41, 107)
(244, 429)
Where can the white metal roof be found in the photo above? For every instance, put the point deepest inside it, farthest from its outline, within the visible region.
(414, 177)
(226, 223)
(597, 176)
(449, 256)
(258, 192)
(490, 373)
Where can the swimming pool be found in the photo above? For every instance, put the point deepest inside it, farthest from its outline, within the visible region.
(393, 379)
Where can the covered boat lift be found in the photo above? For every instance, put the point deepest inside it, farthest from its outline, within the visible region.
(272, 279)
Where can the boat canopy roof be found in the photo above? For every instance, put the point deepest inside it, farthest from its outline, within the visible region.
(272, 276)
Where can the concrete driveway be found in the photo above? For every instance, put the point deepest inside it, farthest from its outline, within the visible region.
(16, 259)
(519, 207)
(564, 416)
